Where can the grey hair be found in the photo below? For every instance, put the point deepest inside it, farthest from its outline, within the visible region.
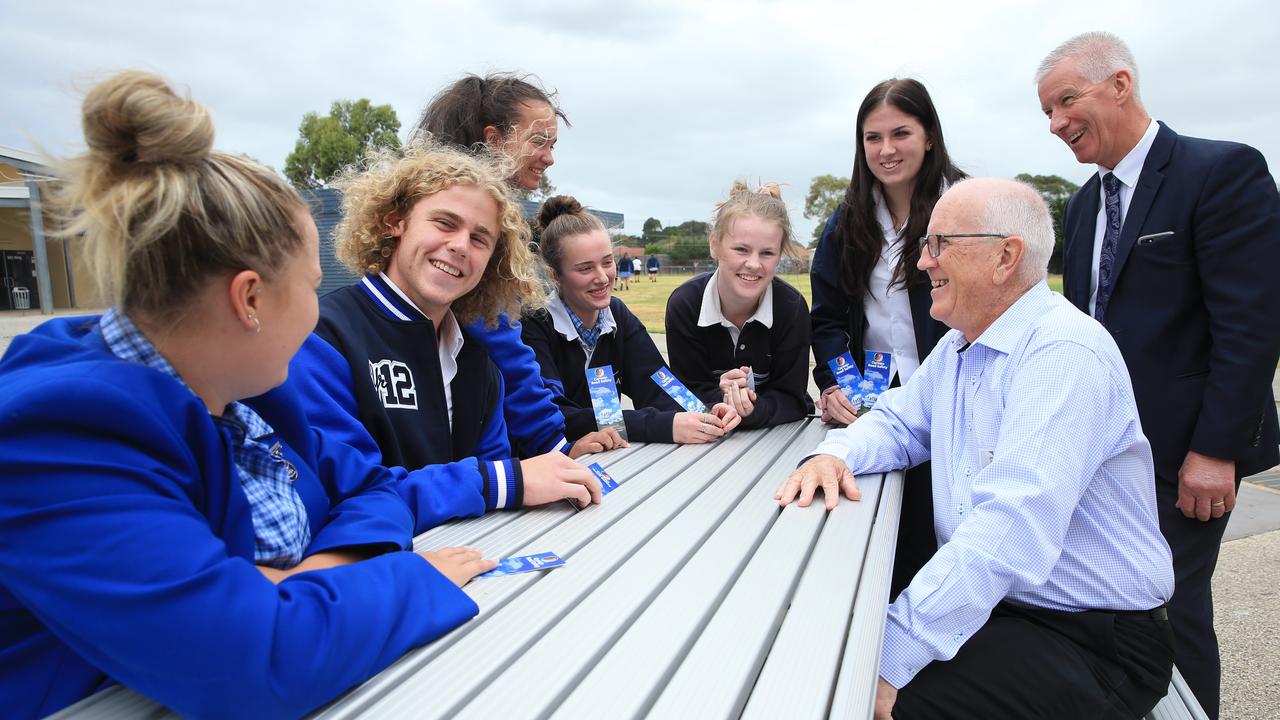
(1099, 55)
(1016, 208)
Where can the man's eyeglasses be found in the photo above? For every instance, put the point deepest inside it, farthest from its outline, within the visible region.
(937, 241)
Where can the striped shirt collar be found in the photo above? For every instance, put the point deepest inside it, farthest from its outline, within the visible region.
(564, 324)
(391, 299)
(1004, 334)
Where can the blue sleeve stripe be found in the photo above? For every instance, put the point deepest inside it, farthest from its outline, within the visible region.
(501, 483)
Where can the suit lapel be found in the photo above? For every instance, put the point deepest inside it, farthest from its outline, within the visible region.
(1144, 194)
(1078, 245)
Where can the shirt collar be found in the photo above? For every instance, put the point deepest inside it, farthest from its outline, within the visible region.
(563, 324)
(1003, 334)
(450, 336)
(127, 342)
(711, 314)
(391, 299)
(1129, 169)
(891, 233)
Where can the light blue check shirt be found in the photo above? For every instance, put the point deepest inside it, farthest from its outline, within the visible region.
(1043, 484)
(281, 532)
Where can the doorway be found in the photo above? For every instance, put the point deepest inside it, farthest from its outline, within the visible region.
(18, 270)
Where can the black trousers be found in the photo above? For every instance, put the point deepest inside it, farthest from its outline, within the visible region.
(1035, 663)
(917, 542)
(1195, 548)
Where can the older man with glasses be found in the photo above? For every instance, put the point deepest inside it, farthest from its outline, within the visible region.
(1047, 595)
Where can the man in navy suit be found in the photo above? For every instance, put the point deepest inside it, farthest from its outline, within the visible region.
(1172, 245)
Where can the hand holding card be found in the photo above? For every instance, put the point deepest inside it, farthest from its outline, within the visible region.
(525, 563)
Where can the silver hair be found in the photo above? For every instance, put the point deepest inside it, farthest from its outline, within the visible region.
(1099, 55)
(1015, 208)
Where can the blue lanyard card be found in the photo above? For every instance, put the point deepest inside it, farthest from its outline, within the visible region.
(751, 378)
(877, 375)
(678, 392)
(847, 377)
(607, 483)
(604, 399)
(523, 564)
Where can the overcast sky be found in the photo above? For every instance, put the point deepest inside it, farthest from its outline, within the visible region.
(670, 101)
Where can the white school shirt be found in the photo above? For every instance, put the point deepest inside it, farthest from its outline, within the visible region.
(888, 309)
(1127, 171)
(711, 314)
(448, 344)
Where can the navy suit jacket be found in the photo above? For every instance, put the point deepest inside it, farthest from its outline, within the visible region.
(1196, 313)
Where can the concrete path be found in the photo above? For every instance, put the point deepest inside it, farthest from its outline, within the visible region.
(1246, 586)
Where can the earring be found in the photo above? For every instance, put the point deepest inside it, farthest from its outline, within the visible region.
(257, 325)
(928, 146)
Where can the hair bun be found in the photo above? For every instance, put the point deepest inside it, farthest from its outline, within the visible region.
(556, 206)
(135, 117)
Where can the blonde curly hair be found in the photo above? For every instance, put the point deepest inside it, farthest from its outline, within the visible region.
(394, 180)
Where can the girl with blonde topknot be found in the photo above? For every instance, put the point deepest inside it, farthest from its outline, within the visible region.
(584, 327)
(395, 367)
(169, 520)
(741, 335)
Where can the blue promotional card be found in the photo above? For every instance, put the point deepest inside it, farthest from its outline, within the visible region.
(876, 376)
(607, 483)
(847, 377)
(523, 564)
(751, 378)
(678, 392)
(604, 399)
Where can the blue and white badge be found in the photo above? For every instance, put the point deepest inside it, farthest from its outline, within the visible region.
(876, 376)
(523, 564)
(678, 392)
(605, 402)
(847, 377)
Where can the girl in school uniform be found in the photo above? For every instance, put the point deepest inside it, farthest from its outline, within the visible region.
(583, 326)
(511, 115)
(867, 292)
(394, 367)
(741, 335)
(169, 520)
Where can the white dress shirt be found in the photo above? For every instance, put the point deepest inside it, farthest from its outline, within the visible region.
(1043, 483)
(888, 309)
(711, 314)
(1127, 171)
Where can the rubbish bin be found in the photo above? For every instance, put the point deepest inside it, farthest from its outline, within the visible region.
(21, 298)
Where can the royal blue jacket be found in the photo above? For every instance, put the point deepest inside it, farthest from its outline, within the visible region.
(127, 547)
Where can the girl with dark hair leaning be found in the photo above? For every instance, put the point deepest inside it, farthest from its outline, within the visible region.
(511, 115)
(168, 518)
(867, 292)
(741, 335)
(583, 327)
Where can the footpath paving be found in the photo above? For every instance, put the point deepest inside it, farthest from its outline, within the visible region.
(1246, 586)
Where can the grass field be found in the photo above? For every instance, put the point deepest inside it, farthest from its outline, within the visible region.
(649, 300)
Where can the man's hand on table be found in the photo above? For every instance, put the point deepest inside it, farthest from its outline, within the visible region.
(829, 473)
(886, 696)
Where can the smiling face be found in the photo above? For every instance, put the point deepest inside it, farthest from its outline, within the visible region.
(895, 144)
(962, 276)
(586, 273)
(445, 245)
(1087, 116)
(531, 143)
(748, 253)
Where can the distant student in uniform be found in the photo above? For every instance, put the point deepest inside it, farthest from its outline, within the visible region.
(583, 327)
(740, 335)
(653, 268)
(394, 368)
(169, 520)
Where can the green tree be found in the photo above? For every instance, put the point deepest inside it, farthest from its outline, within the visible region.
(652, 230)
(1056, 191)
(327, 144)
(825, 194)
(544, 191)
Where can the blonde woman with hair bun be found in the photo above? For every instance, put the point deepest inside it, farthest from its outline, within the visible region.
(169, 519)
(740, 335)
(584, 326)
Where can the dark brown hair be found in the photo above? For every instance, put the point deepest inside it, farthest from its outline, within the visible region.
(857, 231)
(561, 217)
(459, 113)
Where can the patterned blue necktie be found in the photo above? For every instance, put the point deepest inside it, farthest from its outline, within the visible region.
(1110, 238)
